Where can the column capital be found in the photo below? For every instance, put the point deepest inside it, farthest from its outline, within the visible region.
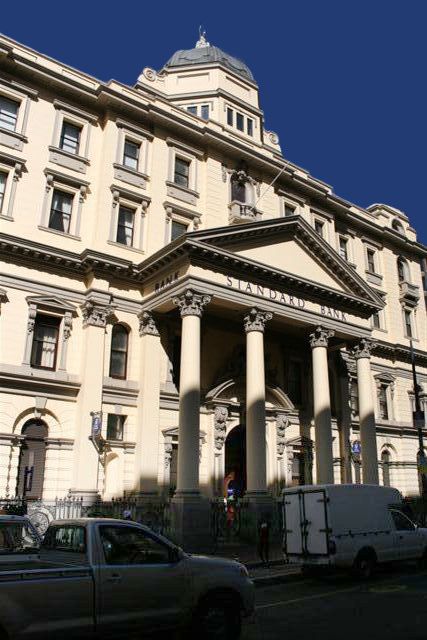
(256, 319)
(191, 303)
(96, 314)
(320, 337)
(363, 349)
(147, 324)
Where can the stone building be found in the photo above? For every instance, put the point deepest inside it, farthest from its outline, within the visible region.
(229, 320)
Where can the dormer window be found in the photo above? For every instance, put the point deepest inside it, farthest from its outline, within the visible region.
(201, 110)
(240, 121)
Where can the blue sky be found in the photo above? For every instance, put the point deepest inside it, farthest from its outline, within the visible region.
(342, 81)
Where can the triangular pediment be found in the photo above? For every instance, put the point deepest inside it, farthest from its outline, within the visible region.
(53, 302)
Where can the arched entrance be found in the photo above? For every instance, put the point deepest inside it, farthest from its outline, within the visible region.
(32, 460)
(235, 462)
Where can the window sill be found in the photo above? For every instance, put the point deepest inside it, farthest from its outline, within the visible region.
(5, 217)
(68, 160)
(59, 233)
(130, 176)
(12, 139)
(182, 193)
(373, 278)
(125, 246)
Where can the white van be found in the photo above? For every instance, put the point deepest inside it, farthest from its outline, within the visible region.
(349, 525)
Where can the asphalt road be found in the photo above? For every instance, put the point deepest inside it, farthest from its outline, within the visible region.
(392, 606)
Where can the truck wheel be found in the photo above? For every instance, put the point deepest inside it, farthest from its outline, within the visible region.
(217, 619)
(364, 566)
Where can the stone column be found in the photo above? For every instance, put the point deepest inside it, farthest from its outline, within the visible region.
(322, 405)
(368, 436)
(220, 434)
(86, 460)
(254, 323)
(190, 520)
(147, 448)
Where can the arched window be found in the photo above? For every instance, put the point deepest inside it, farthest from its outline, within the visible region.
(397, 226)
(32, 460)
(119, 351)
(385, 459)
(238, 190)
(402, 270)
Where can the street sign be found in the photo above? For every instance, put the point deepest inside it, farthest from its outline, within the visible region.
(96, 424)
(356, 447)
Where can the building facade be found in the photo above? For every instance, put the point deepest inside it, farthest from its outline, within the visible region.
(229, 320)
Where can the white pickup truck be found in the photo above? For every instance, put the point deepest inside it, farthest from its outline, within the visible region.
(96, 577)
(350, 526)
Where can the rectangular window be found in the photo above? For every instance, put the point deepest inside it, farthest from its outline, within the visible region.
(370, 254)
(230, 118)
(60, 211)
(70, 137)
(178, 229)
(318, 227)
(343, 242)
(125, 226)
(182, 172)
(408, 323)
(354, 398)
(250, 127)
(115, 426)
(289, 210)
(131, 155)
(192, 109)
(204, 111)
(8, 113)
(295, 382)
(239, 121)
(376, 320)
(382, 402)
(3, 179)
(45, 342)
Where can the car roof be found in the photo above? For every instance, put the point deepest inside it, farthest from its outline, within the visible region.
(83, 522)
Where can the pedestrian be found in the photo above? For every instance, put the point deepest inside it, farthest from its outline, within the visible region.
(127, 514)
(264, 539)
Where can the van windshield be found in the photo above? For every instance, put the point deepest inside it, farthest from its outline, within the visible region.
(18, 537)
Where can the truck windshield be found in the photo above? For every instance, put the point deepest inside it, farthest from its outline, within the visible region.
(17, 537)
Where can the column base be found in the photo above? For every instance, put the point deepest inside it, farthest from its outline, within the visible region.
(260, 505)
(88, 497)
(190, 521)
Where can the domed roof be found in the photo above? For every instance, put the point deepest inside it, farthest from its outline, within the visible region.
(204, 53)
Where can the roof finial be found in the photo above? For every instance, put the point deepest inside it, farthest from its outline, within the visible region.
(202, 42)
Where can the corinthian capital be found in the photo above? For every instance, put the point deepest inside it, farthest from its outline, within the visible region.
(192, 303)
(96, 314)
(147, 324)
(256, 319)
(363, 349)
(320, 337)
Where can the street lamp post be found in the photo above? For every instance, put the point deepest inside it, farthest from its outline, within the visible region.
(418, 421)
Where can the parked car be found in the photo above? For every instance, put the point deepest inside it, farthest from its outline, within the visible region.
(350, 526)
(115, 578)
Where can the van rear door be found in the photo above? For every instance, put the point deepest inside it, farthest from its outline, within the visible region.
(306, 530)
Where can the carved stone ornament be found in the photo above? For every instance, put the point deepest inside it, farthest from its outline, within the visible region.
(192, 303)
(273, 137)
(363, 349)
(168, 454)
(255, 320)
(147, 324)
(32, 313)
(320, 337)
(220, 426)
(282, 422)
(68, 325)
(96, 314)
(149, 74)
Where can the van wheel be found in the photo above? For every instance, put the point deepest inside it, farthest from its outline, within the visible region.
(364, 566)
(217, 619)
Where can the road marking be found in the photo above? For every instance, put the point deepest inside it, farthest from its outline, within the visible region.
(325, 594)
(388, 588)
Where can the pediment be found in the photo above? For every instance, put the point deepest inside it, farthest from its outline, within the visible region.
(53, 302)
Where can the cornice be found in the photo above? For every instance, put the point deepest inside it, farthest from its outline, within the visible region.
(399, 352)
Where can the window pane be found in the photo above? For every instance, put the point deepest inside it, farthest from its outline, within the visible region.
(239, 121)
(70, 138)
(371, 261)
(128, 545)
(401, 270)
(192, 109)
(382, 402)
(125, 226)
(289, 210)
(238, 191)
(204, 111)
(60, 213)
(3, 178)
(182, 172)
(318, 226)
(115, 426)
(131, 155)
(408, 324)
(376, 320)
(343, 248)
(45, 341)
(230, 117)
(250, 127)
(8, 113)
(119, 351)
(178, 229)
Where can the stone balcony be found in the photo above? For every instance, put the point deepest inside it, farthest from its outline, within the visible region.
(241, 212)
(409, 293)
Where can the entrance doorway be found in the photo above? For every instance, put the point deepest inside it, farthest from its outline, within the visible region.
(235, 462)
(32, 460)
